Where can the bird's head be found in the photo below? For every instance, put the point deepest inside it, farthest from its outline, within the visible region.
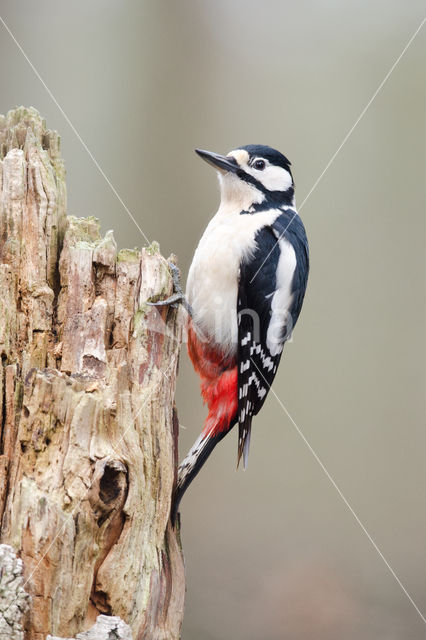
(252, 178)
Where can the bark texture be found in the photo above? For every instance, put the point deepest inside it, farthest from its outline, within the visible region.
(13, 597)
(88, 432)
(106, 628)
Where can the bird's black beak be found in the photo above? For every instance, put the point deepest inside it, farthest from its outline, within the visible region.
(223, 163)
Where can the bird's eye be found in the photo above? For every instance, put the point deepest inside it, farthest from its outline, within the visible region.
(259, 164)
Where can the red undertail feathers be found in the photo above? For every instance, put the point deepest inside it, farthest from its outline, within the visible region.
(219, 383)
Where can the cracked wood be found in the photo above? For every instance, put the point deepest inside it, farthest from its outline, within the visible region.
(88, 433)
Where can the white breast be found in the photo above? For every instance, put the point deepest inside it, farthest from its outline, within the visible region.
(213, 276)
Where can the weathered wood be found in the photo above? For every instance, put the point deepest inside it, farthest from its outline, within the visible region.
(14, 600)
(106, 628)
(88, 429)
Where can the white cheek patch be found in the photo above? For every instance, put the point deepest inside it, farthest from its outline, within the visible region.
(240, 155)
(273, 178)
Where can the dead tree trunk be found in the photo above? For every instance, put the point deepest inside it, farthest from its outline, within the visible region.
(87, 423)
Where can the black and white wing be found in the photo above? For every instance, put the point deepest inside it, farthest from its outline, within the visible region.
(270, 295)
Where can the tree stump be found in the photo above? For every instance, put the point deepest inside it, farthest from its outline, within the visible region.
(88, 431)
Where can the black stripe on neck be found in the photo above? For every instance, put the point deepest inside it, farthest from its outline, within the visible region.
(273, 199)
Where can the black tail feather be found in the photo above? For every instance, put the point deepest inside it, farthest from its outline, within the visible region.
(192, 464)
(244, 432)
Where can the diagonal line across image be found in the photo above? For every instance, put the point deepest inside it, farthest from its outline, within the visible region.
(66, 117)
(345, 139)
(314, 186)
(342, 496)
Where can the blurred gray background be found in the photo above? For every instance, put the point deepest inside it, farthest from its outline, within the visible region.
(272, 553)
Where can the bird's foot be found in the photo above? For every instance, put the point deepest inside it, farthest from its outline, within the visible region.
(178, 297)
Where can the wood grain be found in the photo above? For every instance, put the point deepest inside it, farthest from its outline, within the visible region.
(88, 436)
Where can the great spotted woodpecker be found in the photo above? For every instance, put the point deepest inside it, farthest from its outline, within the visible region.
(245, 290)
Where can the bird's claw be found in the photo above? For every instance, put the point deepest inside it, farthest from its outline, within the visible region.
(178, 297)
(172, 301)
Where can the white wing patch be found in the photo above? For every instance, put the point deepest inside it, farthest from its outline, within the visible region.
(282, 298)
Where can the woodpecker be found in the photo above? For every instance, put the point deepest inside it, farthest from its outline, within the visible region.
(245, 291)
